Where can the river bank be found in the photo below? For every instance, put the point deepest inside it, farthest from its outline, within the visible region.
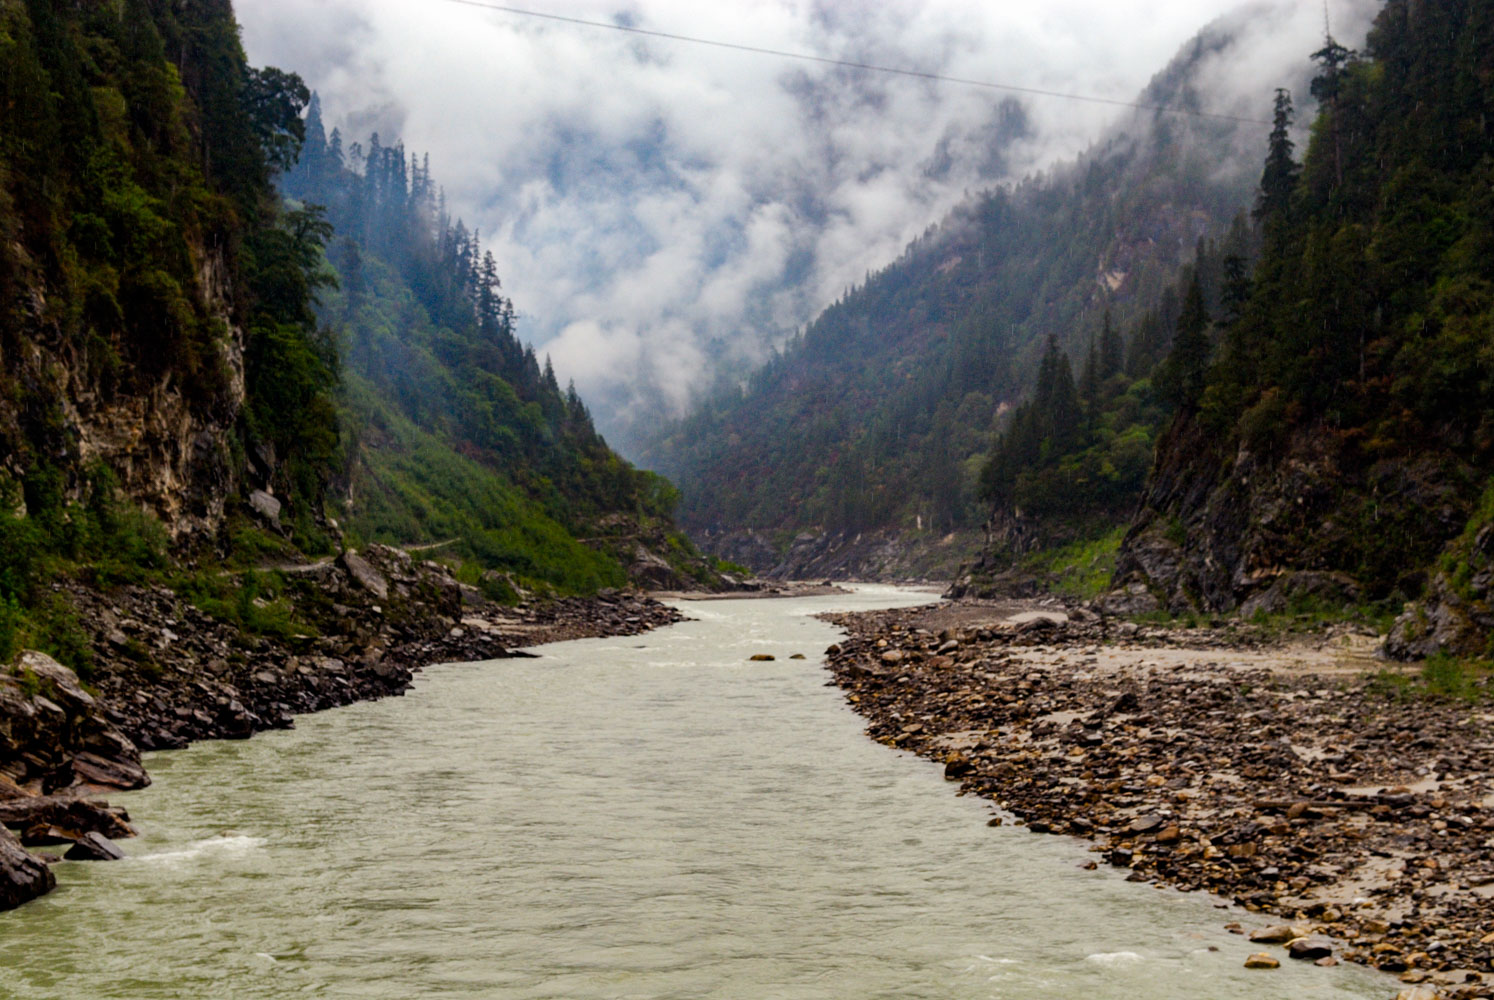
(1281, 775)
(163, 674)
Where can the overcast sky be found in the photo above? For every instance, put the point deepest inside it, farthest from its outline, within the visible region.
(661, 210)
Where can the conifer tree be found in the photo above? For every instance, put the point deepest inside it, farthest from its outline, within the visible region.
(1182, 376)
(1280, 176)
(1089, 383)
(1112, 349)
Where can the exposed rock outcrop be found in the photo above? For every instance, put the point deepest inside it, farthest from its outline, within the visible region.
(57, 745)
(54, 734)
(169, 449)
(1311, 520)
(1456, 614)
(997, 569)
(655, 559)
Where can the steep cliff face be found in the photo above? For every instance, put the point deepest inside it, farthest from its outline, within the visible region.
(168, 450)
(1314, 520)
(147, 277)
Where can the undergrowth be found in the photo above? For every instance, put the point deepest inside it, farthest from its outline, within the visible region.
(1082, 569)
(1441, 678)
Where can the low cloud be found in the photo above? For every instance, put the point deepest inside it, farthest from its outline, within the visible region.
(663, 213)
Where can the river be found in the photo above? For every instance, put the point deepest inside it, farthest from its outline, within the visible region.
(647, 817)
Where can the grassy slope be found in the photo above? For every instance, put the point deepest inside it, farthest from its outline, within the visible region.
(412, 486)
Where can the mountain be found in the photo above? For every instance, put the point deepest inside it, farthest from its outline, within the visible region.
(1338, 446)
(867, 436)
(186, 384)
(454, 430)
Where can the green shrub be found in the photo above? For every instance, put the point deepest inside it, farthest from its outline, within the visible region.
(10, 628)
(1081, 569)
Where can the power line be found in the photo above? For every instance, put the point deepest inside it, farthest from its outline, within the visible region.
(849, 64)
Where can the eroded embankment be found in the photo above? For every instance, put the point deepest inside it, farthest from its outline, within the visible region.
(165, 674)
(1278, 776)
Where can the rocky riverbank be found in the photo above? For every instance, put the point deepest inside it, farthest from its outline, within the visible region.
(1285, 777)
(163, 673)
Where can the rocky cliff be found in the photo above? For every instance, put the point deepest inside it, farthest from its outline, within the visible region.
(169, 448)
(1335, 447)
(1315, 521)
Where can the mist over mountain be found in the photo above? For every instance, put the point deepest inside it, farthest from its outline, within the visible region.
(881, 416)
(663, 214)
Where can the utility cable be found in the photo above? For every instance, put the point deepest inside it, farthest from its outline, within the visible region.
(867, 67)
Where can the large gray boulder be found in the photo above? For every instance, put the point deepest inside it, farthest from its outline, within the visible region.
(365, 575)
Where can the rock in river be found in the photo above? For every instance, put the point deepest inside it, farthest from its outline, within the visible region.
(23, 876)
(1310, 948)
(94, 847)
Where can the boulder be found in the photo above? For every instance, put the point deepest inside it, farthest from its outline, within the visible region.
(1418, 993)
(92, 769)
(94, 847)
(1277, 934)
(58, 682)
(364, 574)
(80, 815)
(266, 507)
(1145, 824)
(23, 876)
(1310, 948)
(1260, 960)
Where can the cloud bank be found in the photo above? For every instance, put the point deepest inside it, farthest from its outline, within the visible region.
(664, 213)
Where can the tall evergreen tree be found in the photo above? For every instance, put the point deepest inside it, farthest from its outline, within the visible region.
(1280, 176)
(1112, 349)
(1089, 383)
(1182, 376)
(1332, 60)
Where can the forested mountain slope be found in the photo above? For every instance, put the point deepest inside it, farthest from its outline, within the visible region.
(155, 316)
(1338, 444)
(455, 430)
(881, 415)
(176, 387)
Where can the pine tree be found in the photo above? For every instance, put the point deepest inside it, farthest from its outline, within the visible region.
(1326, 86)
(1182, 376)
(1090, 381)
(1280, 176)
(1236, 290)
(1112, 349)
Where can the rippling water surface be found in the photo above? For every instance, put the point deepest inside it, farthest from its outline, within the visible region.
(647, 817)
